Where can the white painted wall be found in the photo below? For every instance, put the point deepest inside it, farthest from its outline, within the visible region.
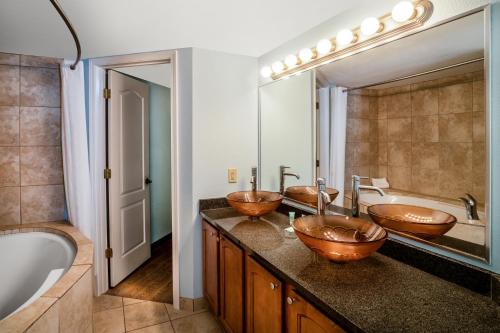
(287, 131)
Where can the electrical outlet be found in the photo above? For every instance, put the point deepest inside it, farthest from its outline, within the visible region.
(232, 175)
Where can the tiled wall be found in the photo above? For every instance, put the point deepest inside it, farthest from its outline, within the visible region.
(31, 175)
(431, 136)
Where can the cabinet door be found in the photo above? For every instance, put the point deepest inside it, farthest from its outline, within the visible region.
(231, 286)
(302, 317)
(263, 299)
(211, 266)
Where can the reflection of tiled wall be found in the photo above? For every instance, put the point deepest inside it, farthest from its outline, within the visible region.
(31, 176)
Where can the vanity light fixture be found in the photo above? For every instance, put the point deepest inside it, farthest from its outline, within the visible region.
(405, 16)
(266, 71)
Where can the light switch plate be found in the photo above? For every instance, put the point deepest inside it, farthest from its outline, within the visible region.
(232, 175)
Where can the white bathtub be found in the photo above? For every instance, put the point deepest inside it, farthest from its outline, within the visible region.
(471, 231)
(30, 263)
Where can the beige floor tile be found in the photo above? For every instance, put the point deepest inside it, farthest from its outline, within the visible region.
(203, 322)
(176, 314)
(144, 314)
(162, 328)
(106, 302)
(109, 321)
(128, 301)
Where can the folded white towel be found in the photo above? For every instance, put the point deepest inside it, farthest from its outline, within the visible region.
(380, 182)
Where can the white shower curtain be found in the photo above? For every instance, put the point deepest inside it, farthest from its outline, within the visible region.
(338, 140)
(75, 150)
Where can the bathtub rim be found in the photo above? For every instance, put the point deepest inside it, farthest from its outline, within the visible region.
(82, 263)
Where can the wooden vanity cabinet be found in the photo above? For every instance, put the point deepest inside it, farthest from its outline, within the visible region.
(231, 286)
(264, 297)
(303, 317)
(210, 237)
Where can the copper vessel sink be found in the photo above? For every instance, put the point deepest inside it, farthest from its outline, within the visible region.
(308, 194)
(419, 221)
(254, 203)
(339, 238)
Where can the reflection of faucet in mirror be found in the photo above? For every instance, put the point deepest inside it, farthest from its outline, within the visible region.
(356, 186)
(282, 177)
(253, 179)
(323, 197)
(470, 204)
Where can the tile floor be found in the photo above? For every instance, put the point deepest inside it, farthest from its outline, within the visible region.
(114, 314)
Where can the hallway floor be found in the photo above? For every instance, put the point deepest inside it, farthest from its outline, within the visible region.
(152, 281)
(113, 314)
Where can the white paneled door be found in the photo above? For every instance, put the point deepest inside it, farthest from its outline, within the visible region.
(128, 159)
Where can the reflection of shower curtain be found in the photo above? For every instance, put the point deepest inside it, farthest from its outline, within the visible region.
(75, 150)
(337, 141)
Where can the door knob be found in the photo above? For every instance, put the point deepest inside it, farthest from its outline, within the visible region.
(290, 300)
(274, 285)
(148, 181)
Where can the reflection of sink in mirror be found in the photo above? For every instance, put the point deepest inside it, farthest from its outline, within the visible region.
(254, 203)
(471, 231)
(308, 194)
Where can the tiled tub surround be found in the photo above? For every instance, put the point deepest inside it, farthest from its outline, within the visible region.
(427, 138)
(31, 173)
(67, 305)
(378, 294)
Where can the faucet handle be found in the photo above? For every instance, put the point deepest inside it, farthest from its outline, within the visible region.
(320, 181)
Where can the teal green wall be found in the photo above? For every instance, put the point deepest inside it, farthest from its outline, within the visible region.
(159, 161)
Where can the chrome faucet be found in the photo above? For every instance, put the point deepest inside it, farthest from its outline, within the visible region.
(356, 186)
(282, 177)
(323, 197)
(470, 204)
(253, 179)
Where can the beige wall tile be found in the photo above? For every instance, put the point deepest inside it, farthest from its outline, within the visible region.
(478, 96)
(373, 107)
(361, 153)
(358, 130)
(9, 59)
(144, 314)
(382, 171)
(479, 171)
(40, 87)
(10, 209)
(424, 102)
(109, 321)
(382, 153)
(373, 133)
(456, 98)
(455, 127)
(454, 183)
(456, 156)
(9, 126)
(22, 320)
(9, 166)
(9, 85)
(77, 305)
(400, 106)
(399, 154)
(399, 178)
(68, 280)
(42, 203)
(478, 127)
(40, 126)
(425, 155)
(48, 322)
(399, 130)
(41, 166)
(382, 130)
(36, 61)
(425, 181)
(425, 129)
(358, 106)
(382, 106)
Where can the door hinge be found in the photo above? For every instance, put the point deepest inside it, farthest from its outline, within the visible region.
(108, 252)
(106, 93)
(107, 173)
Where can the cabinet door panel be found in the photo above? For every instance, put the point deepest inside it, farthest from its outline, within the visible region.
(264, 294)
(211, 266)
(231, 284)
(302, 317)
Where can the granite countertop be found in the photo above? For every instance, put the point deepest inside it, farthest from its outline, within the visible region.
(377, 294)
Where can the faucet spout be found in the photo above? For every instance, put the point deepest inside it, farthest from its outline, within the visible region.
(323, 197)
(253, 179)
(283, 174)
(356, 186)
(372, 188)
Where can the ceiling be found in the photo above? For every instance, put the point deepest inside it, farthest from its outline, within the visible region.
(110, 27)
(444, 45)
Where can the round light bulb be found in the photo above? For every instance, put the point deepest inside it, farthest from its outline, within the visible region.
(291, 60)
(403, 11)
(344, 37)
(278, 67)
(305, 55)
(370, 26)
(266, 71)
(324, 46)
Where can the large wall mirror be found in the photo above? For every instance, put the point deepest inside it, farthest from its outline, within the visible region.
(411, 116)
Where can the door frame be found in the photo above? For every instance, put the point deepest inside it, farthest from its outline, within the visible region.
(97, 155)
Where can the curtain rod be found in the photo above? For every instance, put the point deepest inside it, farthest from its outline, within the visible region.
(72, 30)
(415, 75)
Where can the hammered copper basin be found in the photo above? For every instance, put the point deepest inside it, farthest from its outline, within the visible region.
(308, 194)
(254, 203)
(339, 238)
(422, 222)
